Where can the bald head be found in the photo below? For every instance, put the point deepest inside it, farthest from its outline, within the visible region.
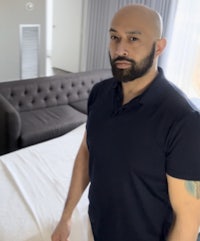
(135, 42)
(146, 18)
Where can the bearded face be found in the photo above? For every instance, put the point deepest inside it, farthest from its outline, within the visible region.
(137, 69)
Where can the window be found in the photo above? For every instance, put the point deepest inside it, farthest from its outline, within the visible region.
(183, 63)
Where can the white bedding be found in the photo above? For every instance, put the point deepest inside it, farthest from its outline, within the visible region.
(33, 187)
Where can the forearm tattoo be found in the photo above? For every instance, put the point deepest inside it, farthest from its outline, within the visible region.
(193, 187)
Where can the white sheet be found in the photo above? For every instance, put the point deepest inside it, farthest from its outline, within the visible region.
(33, 187)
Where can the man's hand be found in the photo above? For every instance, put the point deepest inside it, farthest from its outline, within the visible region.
(79, 182)
(62, 231)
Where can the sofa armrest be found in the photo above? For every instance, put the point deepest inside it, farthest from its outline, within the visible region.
(10, 126)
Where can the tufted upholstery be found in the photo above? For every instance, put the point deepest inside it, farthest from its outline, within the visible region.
(31, 94)
(42, 108)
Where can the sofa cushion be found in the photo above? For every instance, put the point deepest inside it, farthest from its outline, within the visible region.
(43, 124)
(80, 106)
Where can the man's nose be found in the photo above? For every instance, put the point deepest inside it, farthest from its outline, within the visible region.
(121, 49)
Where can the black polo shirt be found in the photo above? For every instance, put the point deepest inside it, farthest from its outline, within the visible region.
(132, 147)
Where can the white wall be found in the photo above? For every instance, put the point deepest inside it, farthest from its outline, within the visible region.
(67, 34)
(66, 48)
(12, 14)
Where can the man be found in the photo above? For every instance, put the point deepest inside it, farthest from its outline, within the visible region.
(141, 149)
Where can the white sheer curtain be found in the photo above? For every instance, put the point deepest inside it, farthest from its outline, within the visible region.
(183, 62)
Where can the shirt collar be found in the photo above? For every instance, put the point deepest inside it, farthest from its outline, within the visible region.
(154, 90)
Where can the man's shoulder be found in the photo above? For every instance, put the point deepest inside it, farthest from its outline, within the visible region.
(103, 85)
(179, 111)
(106, 83)
(100, 89)
(175, 99)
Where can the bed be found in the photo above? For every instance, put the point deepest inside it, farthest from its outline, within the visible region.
(33, 187)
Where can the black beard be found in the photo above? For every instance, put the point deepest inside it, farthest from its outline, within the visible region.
(136, 70)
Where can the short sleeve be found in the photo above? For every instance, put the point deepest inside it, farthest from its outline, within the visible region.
(183, 148)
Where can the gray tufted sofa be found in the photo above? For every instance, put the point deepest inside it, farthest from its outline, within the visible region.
(35, 110)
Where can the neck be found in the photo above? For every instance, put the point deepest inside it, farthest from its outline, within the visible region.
(136, 87)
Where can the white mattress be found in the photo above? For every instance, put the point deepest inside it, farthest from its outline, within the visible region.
(33, 187)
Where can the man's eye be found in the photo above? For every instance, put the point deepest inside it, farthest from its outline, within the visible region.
(133, 39)
(113, 37)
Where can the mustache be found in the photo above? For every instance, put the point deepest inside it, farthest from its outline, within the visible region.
(121, 58)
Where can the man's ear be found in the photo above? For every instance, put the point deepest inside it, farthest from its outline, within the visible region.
(160, 46)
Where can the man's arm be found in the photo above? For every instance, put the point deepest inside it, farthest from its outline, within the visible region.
(185, 200)
(79, 182)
